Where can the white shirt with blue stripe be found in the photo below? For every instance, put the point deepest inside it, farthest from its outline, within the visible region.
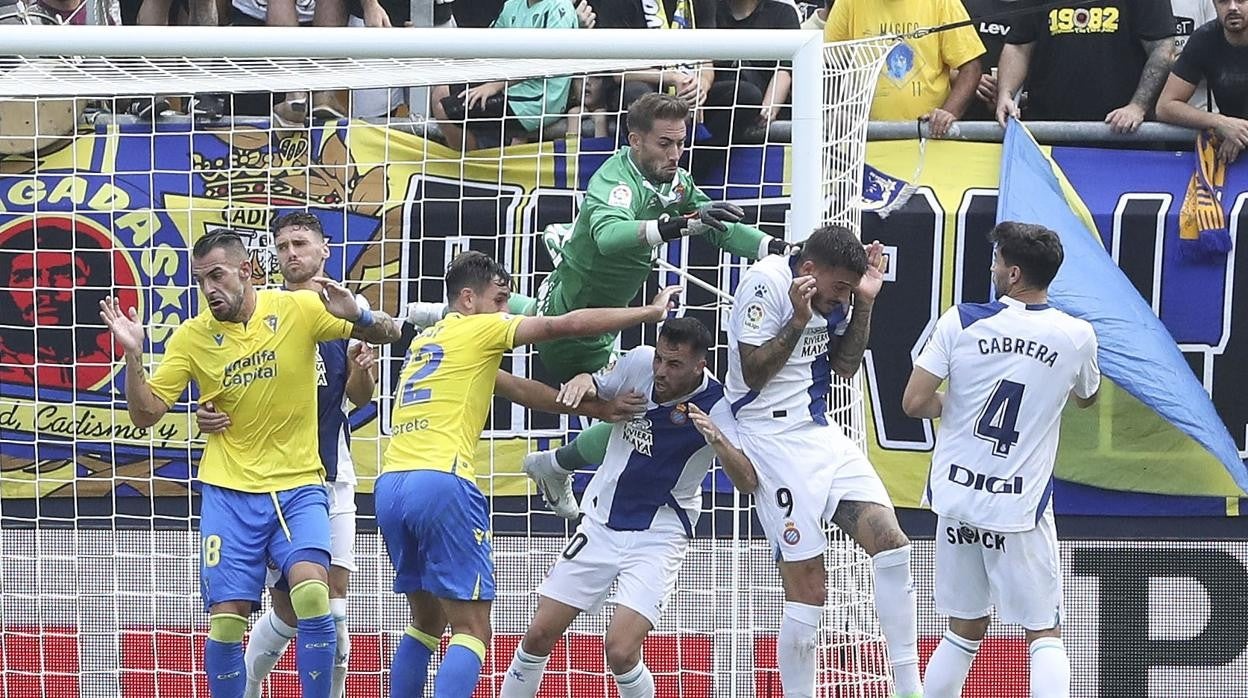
(798, 394)
(651, 478)
(1011, 367)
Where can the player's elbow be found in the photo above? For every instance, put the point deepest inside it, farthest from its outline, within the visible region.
(912, 405)
(142, 418)
(1084, 403)
(755, 378)
(845, 369)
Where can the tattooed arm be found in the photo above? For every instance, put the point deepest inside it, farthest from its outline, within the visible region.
(1161, 55)
(760, 364)
(849, 351)
(853, 344)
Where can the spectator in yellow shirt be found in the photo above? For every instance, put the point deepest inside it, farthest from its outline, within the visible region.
(933, 77)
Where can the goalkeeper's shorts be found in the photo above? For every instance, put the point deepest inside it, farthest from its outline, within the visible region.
(565, 358)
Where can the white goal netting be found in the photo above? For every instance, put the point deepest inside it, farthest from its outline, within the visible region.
(106, 182)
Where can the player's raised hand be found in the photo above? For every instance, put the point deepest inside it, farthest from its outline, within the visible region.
(124, 326)
(702, 422)
(362, 355)
(577, 389)
(873, 280)
(801, 292)
(209, 420)
(665, 301)
(624, 407)
(338, 300)
(717, 214)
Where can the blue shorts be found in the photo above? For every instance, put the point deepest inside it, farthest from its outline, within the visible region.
(436, 527)
(240, 532)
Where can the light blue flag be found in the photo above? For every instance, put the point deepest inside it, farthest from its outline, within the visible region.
(1136, 351)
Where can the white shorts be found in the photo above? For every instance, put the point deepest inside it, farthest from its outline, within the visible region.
(341, 530)
(642, 564)
(803, 475)
(1017, 573)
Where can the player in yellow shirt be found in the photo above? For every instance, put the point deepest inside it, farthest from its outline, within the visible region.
(252, 354)
(916, 80)
(434, 520)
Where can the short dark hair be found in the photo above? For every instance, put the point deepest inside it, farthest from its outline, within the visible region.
(474, 270)
(836, 247)
(297, 219)
(1034, 249)
(222, 238)
(655, 107)
(687, 332)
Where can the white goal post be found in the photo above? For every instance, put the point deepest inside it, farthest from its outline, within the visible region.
(126, 590)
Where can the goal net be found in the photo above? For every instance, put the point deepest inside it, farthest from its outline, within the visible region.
(106, 182)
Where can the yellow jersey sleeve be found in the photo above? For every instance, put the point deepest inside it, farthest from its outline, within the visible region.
(495, 331)
(962, 45)
(174, 372)
(322, 324)
(837, 26)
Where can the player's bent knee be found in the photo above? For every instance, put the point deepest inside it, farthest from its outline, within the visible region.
(339, 580)
(622, 653)
(310, 599)
(303, 565)
(805, 581)
(972, 629)
(540, 639)
(880, 532)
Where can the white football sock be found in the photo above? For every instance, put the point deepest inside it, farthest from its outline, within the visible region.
(795, 649)
(896, 608)
(268, 640)
(524, 676)
(949, 665)
(1050, 668)
(338, 609)
(637, 682)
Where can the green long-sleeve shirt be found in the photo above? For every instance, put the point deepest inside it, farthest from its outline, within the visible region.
(605, 263)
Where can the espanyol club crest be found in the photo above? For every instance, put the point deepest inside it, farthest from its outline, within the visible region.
(680, 414)
(791, 535)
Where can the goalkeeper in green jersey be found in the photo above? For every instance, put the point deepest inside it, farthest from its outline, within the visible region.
(638, 199)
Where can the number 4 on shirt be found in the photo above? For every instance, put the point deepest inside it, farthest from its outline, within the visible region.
(999, 417)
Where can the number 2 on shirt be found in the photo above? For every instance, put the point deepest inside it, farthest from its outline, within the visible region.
(411, 394)
(999, 417)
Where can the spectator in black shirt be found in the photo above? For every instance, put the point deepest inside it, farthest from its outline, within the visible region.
(992, 30)
(1088, 62)
(1216, 52)
(759, 90)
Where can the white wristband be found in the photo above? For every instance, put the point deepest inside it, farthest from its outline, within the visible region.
(653, 238)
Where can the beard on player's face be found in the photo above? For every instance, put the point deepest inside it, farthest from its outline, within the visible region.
(676, 371)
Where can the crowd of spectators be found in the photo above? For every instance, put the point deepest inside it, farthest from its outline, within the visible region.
(1104, 61)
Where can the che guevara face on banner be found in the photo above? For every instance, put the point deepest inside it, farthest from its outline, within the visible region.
(54, 271)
